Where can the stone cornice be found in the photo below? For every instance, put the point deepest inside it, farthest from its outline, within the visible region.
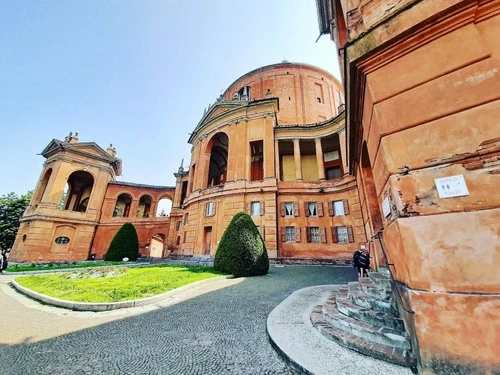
(241, 105)
(103, 167)
(234, 121)
(142, 186)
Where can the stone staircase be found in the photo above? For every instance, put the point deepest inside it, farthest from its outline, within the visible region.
(362, 316)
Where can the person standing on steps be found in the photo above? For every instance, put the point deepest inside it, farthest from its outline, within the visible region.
(361, 260)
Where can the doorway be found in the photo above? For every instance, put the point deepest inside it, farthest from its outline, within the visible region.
(207, 241)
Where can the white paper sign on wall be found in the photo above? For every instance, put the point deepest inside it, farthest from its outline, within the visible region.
(386, 206)
(453, 186)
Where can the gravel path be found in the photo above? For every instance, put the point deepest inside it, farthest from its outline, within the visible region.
(216, 331)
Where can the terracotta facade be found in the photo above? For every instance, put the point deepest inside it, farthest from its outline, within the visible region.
(254, 151)
(423, 100)
(272, 145)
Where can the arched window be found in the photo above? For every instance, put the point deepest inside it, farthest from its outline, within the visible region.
(164, 207)
(144, 206)
(77, 193)
(42, 187)
(122, 207)
(218, 148)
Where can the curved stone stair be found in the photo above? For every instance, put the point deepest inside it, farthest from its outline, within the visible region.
(363, 317)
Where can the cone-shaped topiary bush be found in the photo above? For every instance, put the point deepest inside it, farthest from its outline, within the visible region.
(124, 244)
(241, 250)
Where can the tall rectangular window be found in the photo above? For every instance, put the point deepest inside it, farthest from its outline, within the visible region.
(312, 208)
(313, 234)
(342, 234)
(338, 208)
(289, 209)
(290, 234)
(255, 209)
(210, 209)
(319, 93)
(257, 161)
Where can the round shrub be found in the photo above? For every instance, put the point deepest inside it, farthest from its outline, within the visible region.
(241, 250)
(125, 243)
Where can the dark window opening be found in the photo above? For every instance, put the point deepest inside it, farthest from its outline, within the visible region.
(244, 93)
(184, 191)
(257, 161)
(217, 172)
(144, 206)
(122, 207)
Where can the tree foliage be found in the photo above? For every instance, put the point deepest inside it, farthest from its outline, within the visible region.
(125, 244)
(12, 208)
(241, 250)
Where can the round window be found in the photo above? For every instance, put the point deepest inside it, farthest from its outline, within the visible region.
(62, 240)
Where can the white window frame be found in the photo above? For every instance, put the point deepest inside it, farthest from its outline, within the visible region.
(290, 234)
(291, 211)
(210, 209)
(315, 234)
(312, 207)
(255, 208)
(338, 208)
(342, 235)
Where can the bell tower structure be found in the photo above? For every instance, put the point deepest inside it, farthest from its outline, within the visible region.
(62, 217)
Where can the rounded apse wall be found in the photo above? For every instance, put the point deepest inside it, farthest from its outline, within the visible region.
(307, 94)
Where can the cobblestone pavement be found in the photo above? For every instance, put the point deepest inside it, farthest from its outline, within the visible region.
(220, 332)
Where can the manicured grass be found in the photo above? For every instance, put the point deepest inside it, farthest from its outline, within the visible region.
(134, 283)
(52, 266)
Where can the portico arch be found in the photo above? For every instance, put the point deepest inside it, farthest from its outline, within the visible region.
(217, 148)
(77, 193)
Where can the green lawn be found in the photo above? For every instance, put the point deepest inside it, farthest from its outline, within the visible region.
(133, 283)
(52, 266)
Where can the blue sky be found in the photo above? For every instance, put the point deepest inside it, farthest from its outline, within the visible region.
(137, 74)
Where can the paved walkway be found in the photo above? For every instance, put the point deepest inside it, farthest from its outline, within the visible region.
(219, 328)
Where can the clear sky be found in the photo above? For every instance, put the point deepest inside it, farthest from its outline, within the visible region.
(134, 73)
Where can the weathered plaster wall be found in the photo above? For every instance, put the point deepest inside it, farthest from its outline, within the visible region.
(428, 107)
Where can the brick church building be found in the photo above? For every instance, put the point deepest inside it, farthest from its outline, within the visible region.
(405, 159)
(272, 145)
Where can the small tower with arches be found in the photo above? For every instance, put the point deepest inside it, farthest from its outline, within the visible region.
(61, 219)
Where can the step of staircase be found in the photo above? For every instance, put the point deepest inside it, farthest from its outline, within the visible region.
(383, 293)
(384, 271)
(358, 297)
(387, 353)
(372, 332)
(346, 307)
(361, 316)
(380, 280)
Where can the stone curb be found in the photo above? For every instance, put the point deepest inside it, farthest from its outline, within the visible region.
(285, 357)
(97, 307)
(130, 265)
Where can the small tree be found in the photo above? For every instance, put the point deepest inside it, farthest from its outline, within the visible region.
(125, 243)
(241, 250)
(11, 209)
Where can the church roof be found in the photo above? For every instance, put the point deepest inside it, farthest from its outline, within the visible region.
(88, 149)
(142, 186)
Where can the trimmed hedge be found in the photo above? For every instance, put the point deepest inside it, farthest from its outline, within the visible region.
(125, 243)
(241, 250)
